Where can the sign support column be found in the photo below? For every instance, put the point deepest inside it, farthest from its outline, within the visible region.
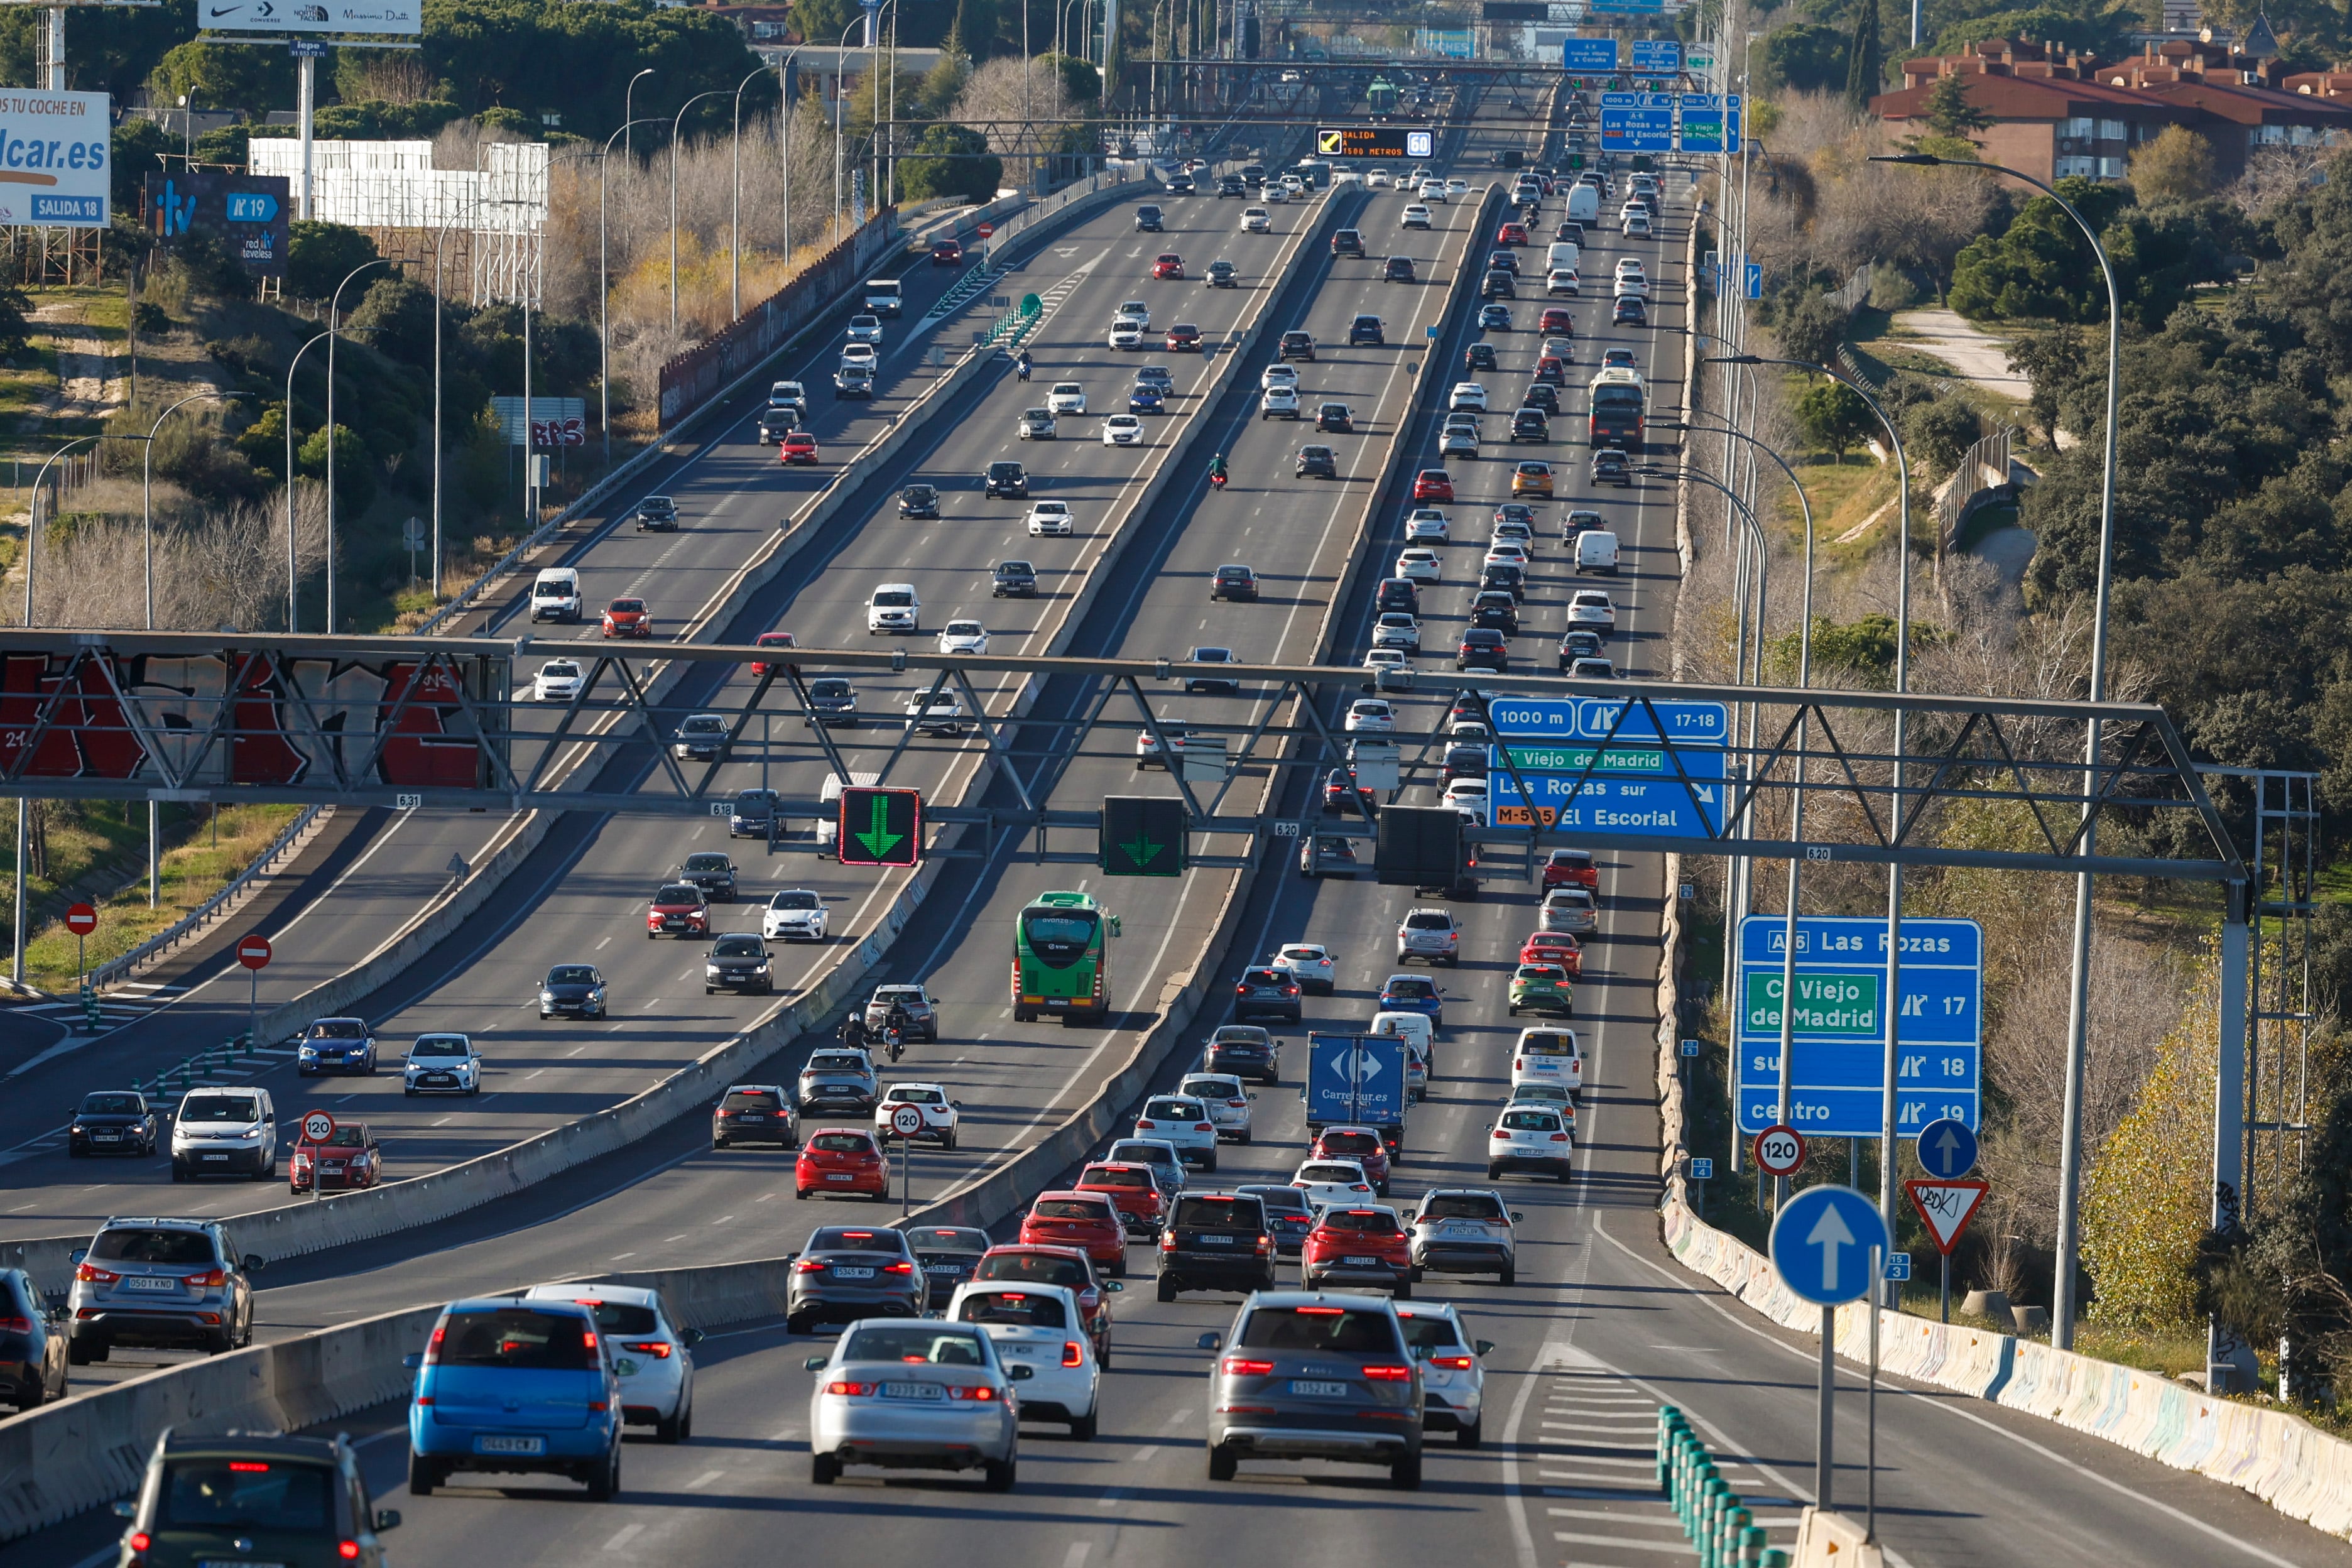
(2228, 1110)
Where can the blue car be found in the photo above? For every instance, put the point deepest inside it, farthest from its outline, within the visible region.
(507, 1385)
(1414, 994)
(1146, 399)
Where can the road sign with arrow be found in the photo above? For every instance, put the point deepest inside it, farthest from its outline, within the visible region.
(881, 828)
(1822, 1244)
(1946, 1208)
(1948, 1150)
(1142, 836)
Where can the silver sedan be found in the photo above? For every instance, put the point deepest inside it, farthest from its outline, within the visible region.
(914, 1394)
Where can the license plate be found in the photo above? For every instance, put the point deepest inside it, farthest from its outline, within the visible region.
(1362, 1262)
(839, 1176)
(1022, 1350)
(840, 1273)
(149, 1282)
(930, 1391)
(106, 1137)
(509, 1445)
(1469, 1230)
(1319, 1390)
(1215, 1241)
(216, 1157)
(437, 1078)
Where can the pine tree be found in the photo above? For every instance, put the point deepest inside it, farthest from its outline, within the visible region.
(1951, 112)
(1866, 61)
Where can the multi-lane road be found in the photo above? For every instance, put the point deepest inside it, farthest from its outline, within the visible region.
(1600, 1327)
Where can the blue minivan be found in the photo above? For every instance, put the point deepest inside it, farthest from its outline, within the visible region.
(516, 1386)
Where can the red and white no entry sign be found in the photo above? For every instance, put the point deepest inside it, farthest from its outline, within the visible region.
(317, 1126)
(252, 951)
(81, 919)
(984, 230)
(1779, 1151)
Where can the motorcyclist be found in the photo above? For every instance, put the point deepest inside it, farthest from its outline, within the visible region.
(853, 1030)
(1217, 469)
(897, 1026)
(1021, 364)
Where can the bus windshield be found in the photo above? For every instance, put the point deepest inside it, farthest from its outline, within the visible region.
(1059, 936)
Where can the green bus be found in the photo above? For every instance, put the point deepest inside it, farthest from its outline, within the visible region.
(1059, 961)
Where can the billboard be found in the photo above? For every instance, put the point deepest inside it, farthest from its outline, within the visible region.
(247, 212)
(403, 17)
(54, 158)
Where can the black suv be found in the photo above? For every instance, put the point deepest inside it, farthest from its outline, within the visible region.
(1334, 417)
(1266, 990)
(1397, 594)
(1530, 424)
(1237, 582)
(1296, 345)
(1484, 649)
(1398, 270)
(1216, 1241)
(1347, 242)
(241, 1496)
(1462, 763)
(1609, 467)
(1006, 478)
(1015, 580)
(1510, 579)
(832, 702)
(753, 811)
(1498, 286)
(1317, 463)
(1147, 219)
(919, 501)
(1495, 611)
(711, 871)
(1503, 261)
(1231, 185)
(1580, 645)
(1366, 330)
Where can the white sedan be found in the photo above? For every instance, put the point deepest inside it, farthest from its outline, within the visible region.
(1379, 179)
(1371, 716)
(1456, 186)
(1256, 220)
(1563, 280)
(1382, 662)
(1327, 1181)
(1125, 335)
(1420, 563)
(931, 1100)
(1414, 216)
(1466, 394)
(1039, 1327)
(1427, 522)
(1468, 798)
(1066, 397)
(963, 637)
(1311, 963)
(1228, 1102)
(1049, 517)
(865, 330)
(935, 713)
(1182, 1120)
(558, 680)
(1507, 552)
(1122, 430)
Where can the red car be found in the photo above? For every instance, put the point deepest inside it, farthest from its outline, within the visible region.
(1085, 1220)
(1167, 265)
(1571, 869)
(773, 639)
(841, 1160)
(1553, 369)
(1360, 1247)
(1361, 1144)
(1557, 322)
(349, 1158)
(1554, 947)
(800, 446)
(1511, 234)
(1432, 484)
(1183, 337)
(947, 253)
(1067, 1266)
(680, 908)
(1133, 1190)
(627, 619)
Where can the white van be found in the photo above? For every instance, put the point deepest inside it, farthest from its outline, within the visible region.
(895, 607)
(1548, 1055)
(884, 297)
(828, 822)
(1583, 205)
(1596, 551)
(555, 594)
(1414, 1029)
(1564, 253)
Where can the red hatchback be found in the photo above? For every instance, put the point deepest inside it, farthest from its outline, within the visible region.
(841, 1160)
(1359, 1246)
(1511, 234)
(681, 909)
(800, 446)
(348, 1159)
(1168, 264)
(1183, 337)
(1554, 947)
(1557, 322)
(773, 639)
(628, 618)
(1085, 1220)
(1133, 1190)
(947, 253)
(1571, 869)
(1067, 1266)
(1361, 1144)
(1432, 484)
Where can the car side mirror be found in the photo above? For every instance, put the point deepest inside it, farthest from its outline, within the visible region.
(413, 1359)
(254, 1263)
(1113, 1286)
(126, 1510)
(814, 1363)
(387, 1519)
(1517, 1217)
(691, 1338)
(627, 1366)
(78, 1254)
(1020, 1372)
(1211, 1342)
(1485, 1347)
(1252, 1097)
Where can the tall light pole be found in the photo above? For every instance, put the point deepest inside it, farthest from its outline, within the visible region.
(735, 225)
(2070, 1154)
(784, 143)
(629, 110)
(604, 292)
(23, 806)
(293, 577)
(840, 94)
(333, 308)
(674, 125)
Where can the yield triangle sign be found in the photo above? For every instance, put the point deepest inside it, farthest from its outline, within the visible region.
(1946, 1208)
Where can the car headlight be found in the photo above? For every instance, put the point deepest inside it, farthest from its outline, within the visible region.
(310, 1050)
(761, 969)
(597, 995)
(249, 1134)
(546, 996)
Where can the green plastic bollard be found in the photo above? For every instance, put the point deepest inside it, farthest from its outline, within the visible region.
(1773, 1558)
(1712, 1499)
(1751, 1547)
(1735, 1522)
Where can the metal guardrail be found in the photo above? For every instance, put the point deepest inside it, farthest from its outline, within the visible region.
(203, 915)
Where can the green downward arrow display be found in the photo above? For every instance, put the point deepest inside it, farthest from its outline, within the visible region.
(879, 839)
(1142, 836)
(881, 828)
(1142, 851)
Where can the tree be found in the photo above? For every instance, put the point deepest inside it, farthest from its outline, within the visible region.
(1834, 415)
(138, 142)
(2178, 167)
(1811, 328)
(1951, 113)
(1805, 57)
(1865, 63)
(944, 82)
(320, 256)
(2041, 266)
(224, 76)
(1937, 430)
(957, 165)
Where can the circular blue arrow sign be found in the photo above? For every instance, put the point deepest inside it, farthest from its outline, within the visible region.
(1822, 1244)
(1948, 1150)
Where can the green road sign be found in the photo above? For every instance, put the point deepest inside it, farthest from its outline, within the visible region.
(1142, 836)
(880, 827)
(1826, 1003)
(1576, 758)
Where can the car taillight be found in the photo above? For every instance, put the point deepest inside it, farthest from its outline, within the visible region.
(1168, 1241)
(1360, 1187)
(978, 1391)
(90, 1274)
(15, 1325)
(1071, 1353)
(1141, 1125)
(208, 1281)
(899, 1267)
(1204, 1127)
(1238, 1104)
(657, 1348)
(1265, 1243)
(348, 1550)
(1388, 1373)
(141, 1540)
(1235, 1366)
(853, 1390)
(596, 1408)
(1517, 1063)
(1559, 1137)
(1452, 1363)
(808, 1266)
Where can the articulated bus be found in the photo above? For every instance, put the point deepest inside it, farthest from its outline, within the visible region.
(1616, 400)
(1059, 961)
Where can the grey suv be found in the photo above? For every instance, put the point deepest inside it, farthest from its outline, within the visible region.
(159, 1282)
(230, 1498)
(1314, 1374)
(1464, 1230)
(1430, 933)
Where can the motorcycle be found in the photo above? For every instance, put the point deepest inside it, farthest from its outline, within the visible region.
(1022, 370)
(892, 1041)
(1217, 481)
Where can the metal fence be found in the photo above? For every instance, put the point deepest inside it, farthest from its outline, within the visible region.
(1980, 478)
(1856, 293)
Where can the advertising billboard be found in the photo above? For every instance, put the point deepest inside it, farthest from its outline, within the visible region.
(248, 214)
(405, 18)
(54, 158)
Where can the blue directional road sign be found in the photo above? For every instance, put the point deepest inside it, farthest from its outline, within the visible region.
(1633, 786)
(1710, 122)
(1898, 1266)
(1657, 57)
(1355, 1079)
(1838, 1073)
(1598, 718)
(1948, 1149)
(1589, 56)
(1702, 1169)
(1637, 122)
(1822, 1243)
(1752, 280)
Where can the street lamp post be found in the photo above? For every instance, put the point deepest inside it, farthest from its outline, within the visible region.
(293, 578)
(735, 226)
(674, 131)
(604, 292)
(23, 806)
(840, 93)
(333, 308)
(2070, 1156)
(629, 112)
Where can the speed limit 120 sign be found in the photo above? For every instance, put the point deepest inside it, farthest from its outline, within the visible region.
(317, 1126)
(906, 1122)
(1780, 1149)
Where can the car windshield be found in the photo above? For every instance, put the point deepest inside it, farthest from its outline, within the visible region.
(834, 688)
(1430, 1333)
(140, 1244)
(750, 1100)
(1462, 1206)
(572, 975)
(111, 1105)
(919, 493)
(1112, 1176)
(220, 1108)
(905, 1095)
(1324, 1172)
(1340, 1331)
(348, 1137)
(836, 1061)
(841, 1144)
(706, 862)
(1024, 1308)
(1279, 1200)
(1036, 1267)
(338, 1029)
(1531, 1121)
(247, 1495)
(1136, 1152)
(1366, 1222)
(679, 893)
(738, 947)
(1352, 1143)
(907, 1342)
(843, 1238)
(796, 899)
(514, 1336)
(1066, 1208)
(947, 1238)
(1172, 1110)
(1411, 990)
(1220, 1211)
